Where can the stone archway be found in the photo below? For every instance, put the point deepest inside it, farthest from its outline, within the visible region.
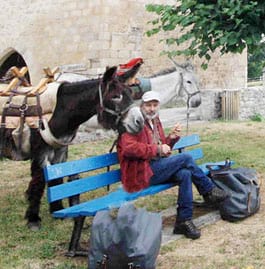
(12, 58)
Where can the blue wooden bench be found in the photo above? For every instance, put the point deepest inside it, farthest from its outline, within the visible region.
(101, 176)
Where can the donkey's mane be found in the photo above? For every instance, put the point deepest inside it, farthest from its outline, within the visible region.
(163, 72)
(79, 86)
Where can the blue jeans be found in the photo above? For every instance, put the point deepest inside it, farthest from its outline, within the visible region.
(182, 170)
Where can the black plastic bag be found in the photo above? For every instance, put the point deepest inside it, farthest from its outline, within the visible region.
(243, 190)
(131, 239)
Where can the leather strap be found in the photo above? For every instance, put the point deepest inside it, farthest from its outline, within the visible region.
(39, 110)
(3, 125)
(23, 108)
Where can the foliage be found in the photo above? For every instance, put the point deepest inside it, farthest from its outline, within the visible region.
(204, 26)
(256, 62)
(257, 117)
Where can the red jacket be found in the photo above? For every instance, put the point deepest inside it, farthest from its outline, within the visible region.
(135, 152)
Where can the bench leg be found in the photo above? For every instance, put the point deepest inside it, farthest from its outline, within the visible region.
(74, 247)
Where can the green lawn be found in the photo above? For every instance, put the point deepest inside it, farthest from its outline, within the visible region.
(21, 248)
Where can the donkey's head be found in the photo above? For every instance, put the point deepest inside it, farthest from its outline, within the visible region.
(189, 88)
(116, 104)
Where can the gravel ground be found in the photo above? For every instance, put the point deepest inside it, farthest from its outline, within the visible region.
(91, 131)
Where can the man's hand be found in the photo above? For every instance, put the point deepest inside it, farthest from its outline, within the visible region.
(165, 150)
(175, 131)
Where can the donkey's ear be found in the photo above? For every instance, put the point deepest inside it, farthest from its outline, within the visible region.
(179, 67)
(188, 66)
(109, 74)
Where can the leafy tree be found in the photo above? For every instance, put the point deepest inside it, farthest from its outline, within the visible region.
(204, 26)
(256, 62)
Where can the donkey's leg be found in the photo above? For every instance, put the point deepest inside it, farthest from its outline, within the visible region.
(33, 194)
(57, 205)
(60, 155)
(74, 200)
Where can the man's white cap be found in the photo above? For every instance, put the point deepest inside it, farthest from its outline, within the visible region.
(151, 95)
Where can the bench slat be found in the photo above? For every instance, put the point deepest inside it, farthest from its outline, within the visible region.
(187, 141)
(82, 185)
(69, 168)
(90, 208)
(195, 153)
(206, 170)
(112, 200)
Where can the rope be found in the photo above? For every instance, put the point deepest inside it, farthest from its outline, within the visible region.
(188, 108)
(110, 151)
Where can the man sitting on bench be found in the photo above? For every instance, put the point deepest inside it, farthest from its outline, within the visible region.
(145, 159)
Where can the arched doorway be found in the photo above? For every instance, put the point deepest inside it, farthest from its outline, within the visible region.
(13, 58)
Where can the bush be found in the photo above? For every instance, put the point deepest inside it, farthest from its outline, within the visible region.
(257, 117)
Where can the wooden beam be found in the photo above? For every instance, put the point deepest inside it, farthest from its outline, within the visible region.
(43, 82)
(12, 85)
(19, 73)
(50, 73)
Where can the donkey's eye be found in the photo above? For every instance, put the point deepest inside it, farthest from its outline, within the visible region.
(188, 81)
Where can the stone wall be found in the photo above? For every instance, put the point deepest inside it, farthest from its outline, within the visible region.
(94, 34)
(251, 103)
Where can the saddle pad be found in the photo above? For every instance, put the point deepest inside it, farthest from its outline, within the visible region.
(32, 121)
(47, 98)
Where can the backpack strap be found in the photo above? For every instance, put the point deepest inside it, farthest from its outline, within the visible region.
(217, 168)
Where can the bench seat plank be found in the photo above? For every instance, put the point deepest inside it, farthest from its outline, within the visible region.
(69, 168)
(187, 141)
(111, 200)
(82, 185)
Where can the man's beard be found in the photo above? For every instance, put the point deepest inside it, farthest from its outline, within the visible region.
(150, 116)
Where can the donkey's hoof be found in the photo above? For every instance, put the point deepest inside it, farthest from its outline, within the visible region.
(34, 225)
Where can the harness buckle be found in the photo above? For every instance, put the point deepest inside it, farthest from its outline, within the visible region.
(23, 107)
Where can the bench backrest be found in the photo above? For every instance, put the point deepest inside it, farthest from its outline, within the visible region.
(97, 177)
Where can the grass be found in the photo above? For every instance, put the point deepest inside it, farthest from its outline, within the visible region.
(255, 83)
(21, 248)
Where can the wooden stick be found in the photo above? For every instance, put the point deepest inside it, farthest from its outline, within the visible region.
(47, 71)
(50, 73)
(41, 84)
(13, 84)
(19, 73)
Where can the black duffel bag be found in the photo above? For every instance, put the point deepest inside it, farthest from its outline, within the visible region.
(130, 238)
(242, 187)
